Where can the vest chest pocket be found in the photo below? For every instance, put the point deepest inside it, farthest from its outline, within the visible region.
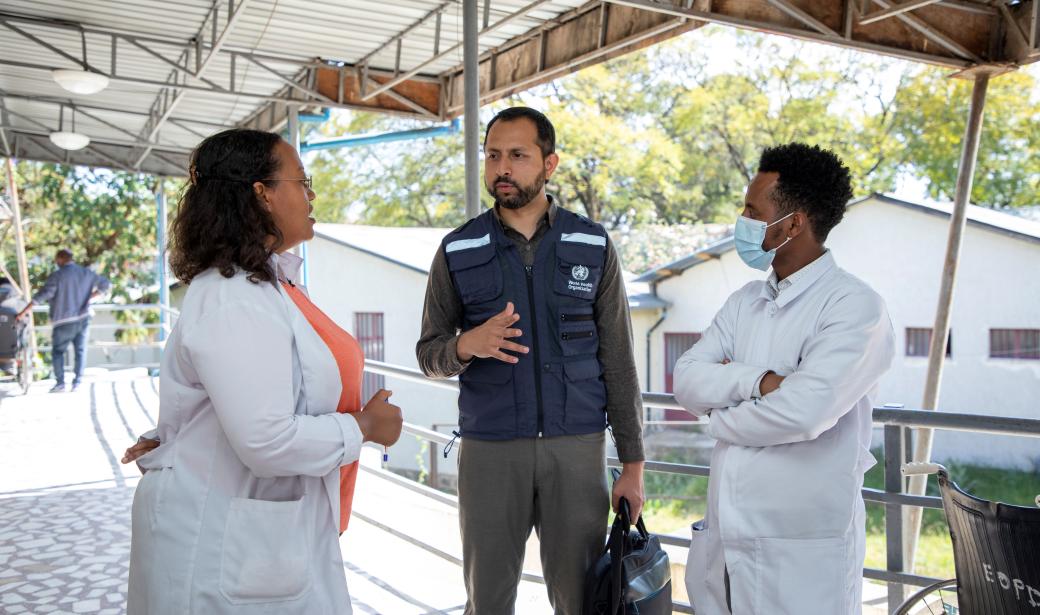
(478, 277)
(578, 270)
(578, 333)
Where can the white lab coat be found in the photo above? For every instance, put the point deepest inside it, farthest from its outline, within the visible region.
(785, 513)
(238, 510)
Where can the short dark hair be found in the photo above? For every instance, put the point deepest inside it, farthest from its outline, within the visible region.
(813, 180)
(220, 222)
(546, 139)
(64, 253)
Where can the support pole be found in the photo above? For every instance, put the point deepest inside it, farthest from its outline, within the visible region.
(894, 533)
(23, 265)
(472, 106)
(941, 330)
(160, 261)
(294, 140)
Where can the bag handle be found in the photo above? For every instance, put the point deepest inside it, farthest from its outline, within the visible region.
(625, 507)
(618, 545)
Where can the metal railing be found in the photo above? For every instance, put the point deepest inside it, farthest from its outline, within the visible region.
(109, 347)
(896, 422)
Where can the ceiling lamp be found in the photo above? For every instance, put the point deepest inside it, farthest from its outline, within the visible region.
(80, 81)
(70, 140)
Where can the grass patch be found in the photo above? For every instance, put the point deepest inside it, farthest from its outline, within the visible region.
(674, 501)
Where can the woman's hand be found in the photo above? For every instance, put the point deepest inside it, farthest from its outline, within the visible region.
(380, 421)
(143, 446)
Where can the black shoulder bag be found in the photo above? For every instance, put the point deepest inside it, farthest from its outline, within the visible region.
(632, 576)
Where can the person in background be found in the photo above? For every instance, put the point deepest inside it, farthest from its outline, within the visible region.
(788, 372)
(69, 291)
(249, 477)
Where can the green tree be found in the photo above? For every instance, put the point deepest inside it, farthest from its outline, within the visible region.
(408, 183)
(929, 122)
(616, 166)
(608, 171)
(775, 93)
(672, 134)
(106, 218)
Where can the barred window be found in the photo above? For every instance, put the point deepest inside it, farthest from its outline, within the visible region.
(919, 342)
(368, 329)
(1014, 343)
(675, 344)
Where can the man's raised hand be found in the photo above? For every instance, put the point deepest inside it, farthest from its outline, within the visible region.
(491, 339)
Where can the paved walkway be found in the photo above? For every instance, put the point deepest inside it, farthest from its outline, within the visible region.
(65, 512)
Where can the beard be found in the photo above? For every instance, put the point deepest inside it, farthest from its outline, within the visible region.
(523, 194)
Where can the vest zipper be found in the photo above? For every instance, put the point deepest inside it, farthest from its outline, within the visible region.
(575, 317)
(534, 345)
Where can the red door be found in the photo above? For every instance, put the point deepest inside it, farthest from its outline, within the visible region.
(675, 344)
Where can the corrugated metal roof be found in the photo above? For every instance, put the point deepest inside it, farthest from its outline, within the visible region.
(290, 35)
(327, 46)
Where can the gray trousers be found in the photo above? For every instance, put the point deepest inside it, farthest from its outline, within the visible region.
(558, 487)
(75, 333)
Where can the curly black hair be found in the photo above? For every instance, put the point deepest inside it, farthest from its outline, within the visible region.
(812, 180)
(220, 222)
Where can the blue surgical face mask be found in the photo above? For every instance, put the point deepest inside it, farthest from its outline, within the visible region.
(748, 236)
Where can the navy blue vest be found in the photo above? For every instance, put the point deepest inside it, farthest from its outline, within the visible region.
(557, 388)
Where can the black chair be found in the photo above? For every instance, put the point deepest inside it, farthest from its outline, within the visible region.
(996, 555)
(12, 333)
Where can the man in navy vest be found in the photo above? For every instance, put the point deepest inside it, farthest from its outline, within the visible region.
(526, 304)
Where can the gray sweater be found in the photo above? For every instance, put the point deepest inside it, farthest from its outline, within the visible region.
(68, 291)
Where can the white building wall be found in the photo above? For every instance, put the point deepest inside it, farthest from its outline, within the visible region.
(642, 321)
(696, 296)
(900, 252)
(344, 281)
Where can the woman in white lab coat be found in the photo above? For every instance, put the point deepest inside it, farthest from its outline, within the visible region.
(239, 507)
(788, 371)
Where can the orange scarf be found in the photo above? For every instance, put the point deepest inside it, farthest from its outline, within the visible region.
(351, 363)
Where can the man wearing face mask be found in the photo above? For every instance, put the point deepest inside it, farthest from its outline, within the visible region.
(788, 372)
(527, 305)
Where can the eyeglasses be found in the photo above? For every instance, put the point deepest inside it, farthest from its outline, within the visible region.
(308, 182)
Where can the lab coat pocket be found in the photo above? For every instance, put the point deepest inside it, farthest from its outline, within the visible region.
(796, 576)
(266, 552)
(704, 596)
(695, 563)
(162, 481)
